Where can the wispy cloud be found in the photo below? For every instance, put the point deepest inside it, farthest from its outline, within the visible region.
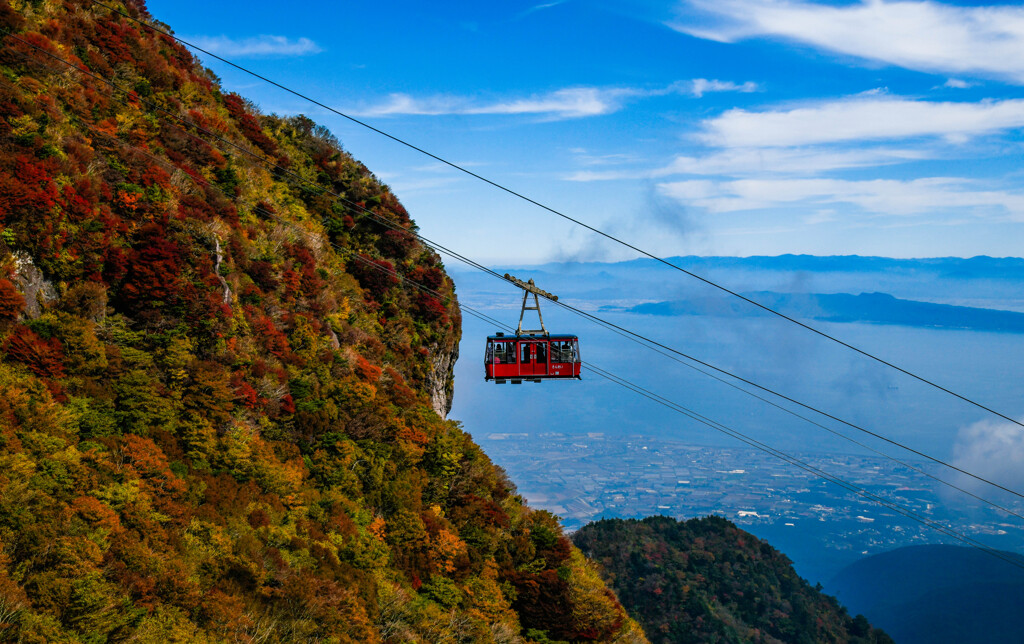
(567, 103)
(256, 46)
(925, 36)
(789, 161)
(862, 118)
(879, 196)
(701, 86)
(540, 7)
(956, 83)
(765, 161)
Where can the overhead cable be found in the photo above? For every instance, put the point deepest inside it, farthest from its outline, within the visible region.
(788, 458)
(596, 319)
(551, 210)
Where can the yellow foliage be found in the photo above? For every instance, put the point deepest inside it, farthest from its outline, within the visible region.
(237, 450)
(200, 437)
(486, 601)
(342, 310)
(23, 125)
(169, 624)
(366, 550)
(361, 392)
(205, 542)
(594, 605)
(175, 358)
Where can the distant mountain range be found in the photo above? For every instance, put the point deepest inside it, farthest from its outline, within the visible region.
(875, 308)
(979, 267)
(989, 283)
(937, 594)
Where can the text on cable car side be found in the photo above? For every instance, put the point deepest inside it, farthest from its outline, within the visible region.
(531, 355)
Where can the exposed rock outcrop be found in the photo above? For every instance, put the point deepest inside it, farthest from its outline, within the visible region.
(441, 379)
(38, 291)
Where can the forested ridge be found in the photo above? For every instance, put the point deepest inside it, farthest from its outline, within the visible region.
(705, 580)
(221, 403)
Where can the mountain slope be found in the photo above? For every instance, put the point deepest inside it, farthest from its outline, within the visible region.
(937, 594)
(705, 580)
(221, 404)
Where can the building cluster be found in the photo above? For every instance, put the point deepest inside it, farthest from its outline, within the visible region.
(586, 477)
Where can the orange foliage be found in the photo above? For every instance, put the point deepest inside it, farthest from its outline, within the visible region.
(367, 371)
(43, 357)
(11, 301)
(94, 512)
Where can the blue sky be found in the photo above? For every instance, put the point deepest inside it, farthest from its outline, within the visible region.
(725, 127)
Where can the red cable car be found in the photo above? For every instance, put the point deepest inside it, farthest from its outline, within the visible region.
(531, 355)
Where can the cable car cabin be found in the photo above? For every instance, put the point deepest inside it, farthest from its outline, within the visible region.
(531, 357)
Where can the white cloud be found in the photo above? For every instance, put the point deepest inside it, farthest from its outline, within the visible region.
(926, 36)
(862, 118)
(405, 104)
(539, 7)
(256, 46)
(564, 103)
(567, 103)
(759, 161)
(700, 86)
(587, 176)
(879, 196)
(762, 161)
(992, 450)
(956, 83)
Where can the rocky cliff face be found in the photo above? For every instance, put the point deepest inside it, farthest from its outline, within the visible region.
(440, 382)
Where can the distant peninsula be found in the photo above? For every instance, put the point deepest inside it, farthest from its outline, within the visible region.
(872, 308)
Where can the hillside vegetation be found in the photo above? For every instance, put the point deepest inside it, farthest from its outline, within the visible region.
(221, 404)
(705, 580)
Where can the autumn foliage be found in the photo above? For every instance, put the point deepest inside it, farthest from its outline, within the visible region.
(219, 417)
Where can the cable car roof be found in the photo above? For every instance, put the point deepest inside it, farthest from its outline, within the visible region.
(533, 336)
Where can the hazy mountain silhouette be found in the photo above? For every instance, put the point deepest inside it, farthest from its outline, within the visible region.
(876, 308)
(935, 594)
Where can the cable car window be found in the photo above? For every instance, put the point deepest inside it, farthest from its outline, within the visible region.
(561, 351)
(504, 353)
(525, 354)
(575, 350)
(489, 354)
(542, 352)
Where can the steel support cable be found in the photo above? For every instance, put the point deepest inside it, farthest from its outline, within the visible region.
(381, 220)
(788, 458)
(820, 425)
(874, 498)
(655, 397)
(657, 347)
(655, 343)
(578, 222)
(595, 319)
(351, 253)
